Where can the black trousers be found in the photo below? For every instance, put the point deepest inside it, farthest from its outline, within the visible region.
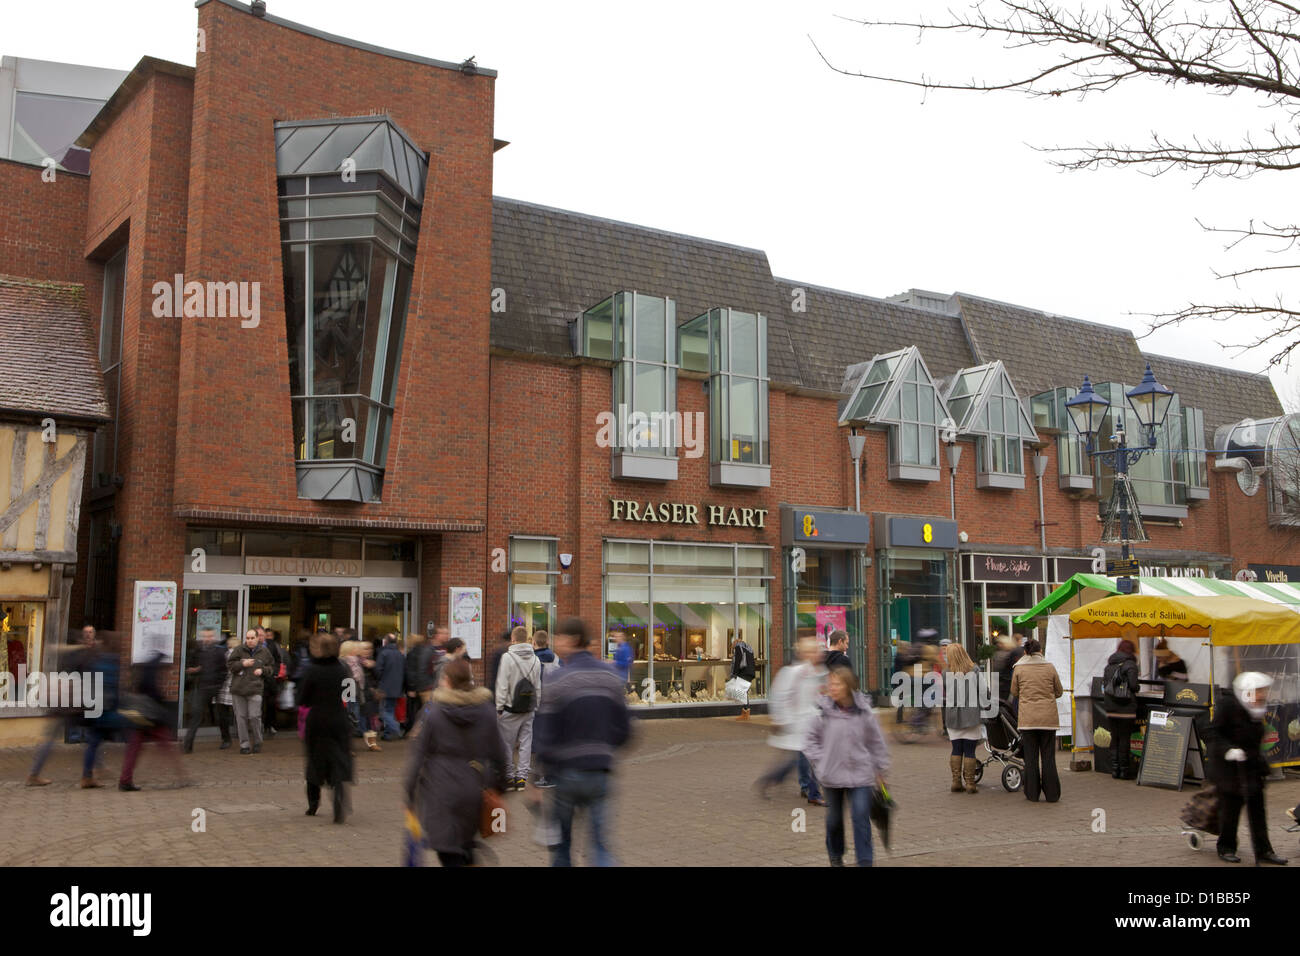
(199, 708)
(1040, 765)
(1230, 816)
(1121, 739)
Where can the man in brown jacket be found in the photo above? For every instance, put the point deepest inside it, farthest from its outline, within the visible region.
(1036, 685)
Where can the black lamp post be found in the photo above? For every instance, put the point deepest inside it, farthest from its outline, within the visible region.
(1150, 403)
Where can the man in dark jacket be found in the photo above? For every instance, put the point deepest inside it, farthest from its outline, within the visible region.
(248, 664)
(390, 672)
(209, 672)
(494, 661)
(582, 722)
(1119, 687)
(837, 654)
(1238, 769)
(744, 664)
(419, 676)
(270, 679)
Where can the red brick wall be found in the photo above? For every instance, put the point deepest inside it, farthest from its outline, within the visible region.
(255, 73)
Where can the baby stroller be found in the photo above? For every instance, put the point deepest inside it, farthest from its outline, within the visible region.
(1002, 740)
(1201, 816)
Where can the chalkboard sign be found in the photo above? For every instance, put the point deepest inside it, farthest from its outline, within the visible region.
(1165, 748)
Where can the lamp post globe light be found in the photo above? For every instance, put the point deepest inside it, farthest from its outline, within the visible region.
(1150, 402)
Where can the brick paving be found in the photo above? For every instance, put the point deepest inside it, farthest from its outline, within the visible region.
(683, 798)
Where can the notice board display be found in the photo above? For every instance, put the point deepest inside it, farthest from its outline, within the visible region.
(1165, 750)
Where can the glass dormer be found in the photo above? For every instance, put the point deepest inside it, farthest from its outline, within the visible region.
(984, 405)
(896, 392)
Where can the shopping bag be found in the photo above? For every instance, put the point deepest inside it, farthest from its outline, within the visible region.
(412, 841)
(399, 712)
(488, 812)
(302, 721)
(285, 701)
(882, 812)
(737, 689)
(546, 828)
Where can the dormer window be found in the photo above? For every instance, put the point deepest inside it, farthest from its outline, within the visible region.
(984, 404)
(897, 392)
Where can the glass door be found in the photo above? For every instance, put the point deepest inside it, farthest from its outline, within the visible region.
(377, 612)
(224, 610)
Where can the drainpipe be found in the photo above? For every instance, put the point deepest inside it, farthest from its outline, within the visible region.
(1040, 468)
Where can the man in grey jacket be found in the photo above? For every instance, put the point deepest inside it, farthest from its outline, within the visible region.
(516, 705)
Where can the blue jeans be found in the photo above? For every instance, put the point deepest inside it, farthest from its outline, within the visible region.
(388, 713)
(94, 737)
(860, 808)
(808, 780)
(574, 789)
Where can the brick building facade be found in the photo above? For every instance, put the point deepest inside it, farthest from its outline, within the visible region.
(466, 360)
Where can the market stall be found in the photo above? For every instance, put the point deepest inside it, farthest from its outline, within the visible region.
(1221, 634)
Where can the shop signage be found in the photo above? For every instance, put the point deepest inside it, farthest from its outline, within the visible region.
(822, 528)
(904, 531)
(1165, 571)
(1165, 750)
(1005, 567)
(1067, 568)
(303, 567)
(1120, 566)
(675, 512)
(1275, 573)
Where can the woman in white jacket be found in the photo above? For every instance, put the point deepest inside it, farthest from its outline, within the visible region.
(791, 704)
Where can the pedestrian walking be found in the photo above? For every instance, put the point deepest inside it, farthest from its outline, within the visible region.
(390, 680)
(792, 704)
(550, 662)
(325, 732)
(518, 680)
(744, 665)
(624, 653)
(504, 640)
(102, 664)
(1237, 766)
(1119, 695)
(1005, 658)
(1035, 686)
(152, 724)
(963, 690)
(278, 672)
(582, 723)
(419, 667)
(457, 754)
(837, 653)
(248, 665)
(209, 672)
(67, 721)
(849, 755)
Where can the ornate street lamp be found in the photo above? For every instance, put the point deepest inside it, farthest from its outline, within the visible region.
(1150, 403)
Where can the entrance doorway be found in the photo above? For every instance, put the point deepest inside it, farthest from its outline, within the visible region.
(289, 609)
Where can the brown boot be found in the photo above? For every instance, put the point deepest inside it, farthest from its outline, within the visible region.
(372, 741)
(88, 783)
(968, 768)
(954, 764)
(744, 714)
(35, 781)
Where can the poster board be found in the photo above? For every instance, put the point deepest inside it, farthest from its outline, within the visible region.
(465, 618)
(1165, 749)
(830, 617)
(153, 621)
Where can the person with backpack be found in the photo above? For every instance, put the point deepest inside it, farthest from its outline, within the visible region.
(1119, 688)
(745, 666)
(518, 677)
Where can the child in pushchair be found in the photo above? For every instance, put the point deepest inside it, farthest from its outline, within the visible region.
(1002, 740)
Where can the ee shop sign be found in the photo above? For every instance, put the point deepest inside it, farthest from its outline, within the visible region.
(674, 512)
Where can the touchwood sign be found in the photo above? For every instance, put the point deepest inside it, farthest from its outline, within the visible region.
(303, 567)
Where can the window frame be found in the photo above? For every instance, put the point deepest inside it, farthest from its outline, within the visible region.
(903, 368)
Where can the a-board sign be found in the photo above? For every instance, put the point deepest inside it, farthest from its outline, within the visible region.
(1165, 748)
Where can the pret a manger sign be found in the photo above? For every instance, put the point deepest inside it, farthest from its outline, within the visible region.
(675, 512)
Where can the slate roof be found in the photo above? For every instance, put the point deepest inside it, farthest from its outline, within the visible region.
(554, 264)
(49, 364)
(1225, 395)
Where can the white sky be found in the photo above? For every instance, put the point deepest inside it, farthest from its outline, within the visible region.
(716, 118)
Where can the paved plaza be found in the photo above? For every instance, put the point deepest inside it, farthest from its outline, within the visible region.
(684, 798)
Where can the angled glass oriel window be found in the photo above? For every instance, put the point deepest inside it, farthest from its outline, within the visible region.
(731, 346)
(984, 404)
(350, 208)
(897, 392)
(638, 332)
(1047, 411)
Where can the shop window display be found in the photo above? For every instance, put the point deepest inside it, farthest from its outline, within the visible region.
(683, 618)
(22, 624)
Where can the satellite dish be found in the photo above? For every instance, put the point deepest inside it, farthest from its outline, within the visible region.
(1248, 478)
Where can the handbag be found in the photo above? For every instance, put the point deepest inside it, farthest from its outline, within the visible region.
(142, 710)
